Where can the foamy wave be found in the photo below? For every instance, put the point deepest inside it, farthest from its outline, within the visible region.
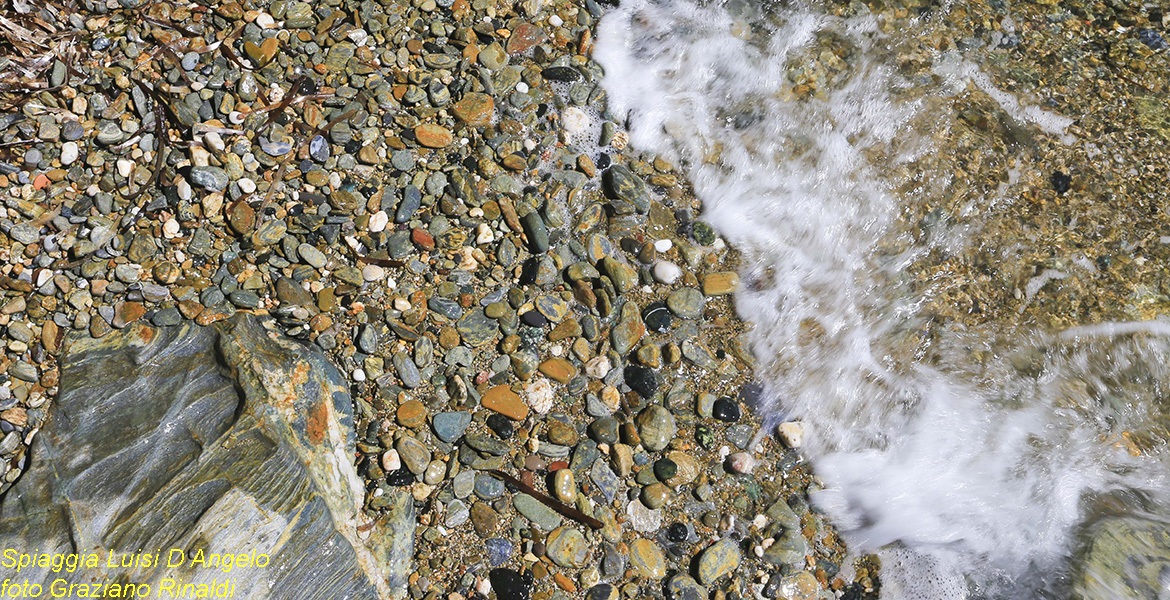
(971, 479)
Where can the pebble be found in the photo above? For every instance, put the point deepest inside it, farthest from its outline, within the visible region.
(791, 434)
(726, 410)
(542, 516)
(647, 558)
(686, 303)
(567, 547)
(719, 559)
(449, 426)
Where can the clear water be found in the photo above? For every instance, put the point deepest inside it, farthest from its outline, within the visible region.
(970, 461)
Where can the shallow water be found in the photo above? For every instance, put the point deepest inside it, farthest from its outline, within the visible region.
(969, 458)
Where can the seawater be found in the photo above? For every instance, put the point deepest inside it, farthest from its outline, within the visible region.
(970, 477)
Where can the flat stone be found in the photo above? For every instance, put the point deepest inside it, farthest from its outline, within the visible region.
(433, 136)
(503, 400)
(449, 426)
(686, 303)
(558, 369)
(719, 559)
(212, 453)
(477, 329)
(475, 109)
(721, 283)
(567, 547)
(647, 558)
(535, 511)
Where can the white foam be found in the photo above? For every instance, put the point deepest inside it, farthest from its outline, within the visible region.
(969, 474)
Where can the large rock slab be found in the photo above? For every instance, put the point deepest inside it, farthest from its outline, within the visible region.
(1124, 558)
(228, 439)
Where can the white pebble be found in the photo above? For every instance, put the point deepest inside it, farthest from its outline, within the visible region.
(791, 433)
(574, 120)
(667, 272)
(597, 367)
(391, 461)
(43, 277)
(69, 153)
(540, 396)
(247, 185)
(265, 21)
(522, 87)
(358, 36)
(183, 189)
(401, 304)
(378, 221)
(236, 117)
(214, 141)
(125, 167)
(359, 375)
(663, 245)
(171, 228)
(373, 272)
(555, 21)
(475, 212)
(484, 234)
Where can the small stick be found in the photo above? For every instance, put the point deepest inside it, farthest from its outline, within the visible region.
(564, 509)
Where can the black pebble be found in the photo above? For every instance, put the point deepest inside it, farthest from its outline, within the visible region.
(657, 317)
(677, 532)
(400, 478)
(565, 74)
(1061, 182)
(642, 380)
(533, 318)
(726, 410)
(501, 425)
(510, 585)
(603, 161)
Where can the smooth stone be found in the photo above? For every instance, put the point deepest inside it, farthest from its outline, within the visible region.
(605, 479)
(433, 136)
(511, 585)
(682, 587)
(721, 283)
(686, 303)
(488, 487)
(486, 443)
(413, 453)
(475, 109)
(719, 559)
(564, 487)
(647, 558)
(726, 410)
(209, 178)
(449, 426)
(407, 371)
(567, 547)
(623, 184)
(503, 400)
(499, 550)
(643, 380)
(544, 517)
(477, 329)
(537, 232)
(656, 426)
